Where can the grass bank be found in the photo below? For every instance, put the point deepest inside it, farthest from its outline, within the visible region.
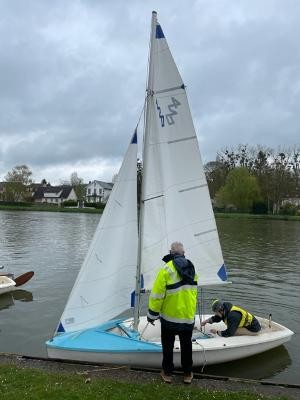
(50, 208)
(18, 383)
(258, 216)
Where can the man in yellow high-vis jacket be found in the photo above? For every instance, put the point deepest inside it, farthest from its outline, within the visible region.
(238, 320)
(173, 299)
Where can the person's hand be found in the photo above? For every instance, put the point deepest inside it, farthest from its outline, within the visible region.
(150, 320)
(203, 323)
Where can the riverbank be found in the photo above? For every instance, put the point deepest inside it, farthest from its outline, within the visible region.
(32, 378)
(89, 210)
(50, 208)
(278, 217)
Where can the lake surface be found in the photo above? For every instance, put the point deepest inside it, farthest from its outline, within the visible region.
(263, 264)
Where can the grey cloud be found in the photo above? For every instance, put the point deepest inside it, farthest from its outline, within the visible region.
(72, 75)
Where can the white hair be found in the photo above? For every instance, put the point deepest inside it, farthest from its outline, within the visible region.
(177, 248)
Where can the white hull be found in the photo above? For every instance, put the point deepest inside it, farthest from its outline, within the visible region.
(213, 350)
(6, 284)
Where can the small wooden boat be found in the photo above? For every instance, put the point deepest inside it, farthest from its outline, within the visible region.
(8, 283)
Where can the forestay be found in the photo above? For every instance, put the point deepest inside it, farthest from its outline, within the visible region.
(107, 277)
(176, 202)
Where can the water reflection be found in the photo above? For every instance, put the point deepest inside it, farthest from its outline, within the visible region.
(262, 366)
(8, 299)
(22, 295)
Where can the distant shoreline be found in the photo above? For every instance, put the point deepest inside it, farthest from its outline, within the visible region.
(89, 210)
(50, 208)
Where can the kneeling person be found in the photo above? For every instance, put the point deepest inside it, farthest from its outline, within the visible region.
(238, 320)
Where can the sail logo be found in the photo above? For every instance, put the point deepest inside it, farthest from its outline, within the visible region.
(161, 116)
(172, 112)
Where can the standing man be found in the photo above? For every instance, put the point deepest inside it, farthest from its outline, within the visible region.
(173, 299)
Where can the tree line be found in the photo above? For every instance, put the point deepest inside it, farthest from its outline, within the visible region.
(248, 179)
(18, 185)
(255, 179)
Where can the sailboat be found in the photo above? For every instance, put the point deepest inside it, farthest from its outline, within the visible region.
(125, 254)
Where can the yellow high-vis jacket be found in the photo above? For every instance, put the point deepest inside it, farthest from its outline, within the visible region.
(172, 298)
(246, 316)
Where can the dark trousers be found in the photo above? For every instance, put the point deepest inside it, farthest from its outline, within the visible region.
(167, 341)
(255, 326)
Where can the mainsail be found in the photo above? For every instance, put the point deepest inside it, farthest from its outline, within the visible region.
(107, 277)
(176, 203)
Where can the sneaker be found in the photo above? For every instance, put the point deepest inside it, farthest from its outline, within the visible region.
(167, 378)
(187, 378)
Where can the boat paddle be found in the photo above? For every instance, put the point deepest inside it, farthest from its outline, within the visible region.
(22, 279)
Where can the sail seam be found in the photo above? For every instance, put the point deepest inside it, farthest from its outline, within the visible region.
(169, 89)
(182, 140)
(192, 188)
(109, 227)
(152, 198)
(204, 233)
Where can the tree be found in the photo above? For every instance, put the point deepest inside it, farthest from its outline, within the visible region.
(241, 157)
(262, 171)
(216, 173)
(78, 185)
(295, 168)
(280, 179)
(241, 190)
(18, 181)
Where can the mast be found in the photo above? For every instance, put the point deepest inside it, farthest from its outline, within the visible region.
(146, 129)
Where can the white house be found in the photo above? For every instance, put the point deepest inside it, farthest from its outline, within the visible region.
(54, 194)
(98, 191)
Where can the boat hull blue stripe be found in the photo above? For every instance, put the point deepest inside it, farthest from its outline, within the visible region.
(99, 340)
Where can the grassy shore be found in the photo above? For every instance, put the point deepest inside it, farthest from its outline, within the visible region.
(18, 383)
(258, 216)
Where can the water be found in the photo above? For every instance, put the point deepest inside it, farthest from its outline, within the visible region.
(263, 259)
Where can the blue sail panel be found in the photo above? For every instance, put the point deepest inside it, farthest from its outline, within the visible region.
(60, 328)
(132, 294)
(132, 298)
(134, 138)
(222, 273)
(159, 32)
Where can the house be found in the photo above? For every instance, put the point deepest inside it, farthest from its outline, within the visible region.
(53, 194)
(98, 191)
(294, 201)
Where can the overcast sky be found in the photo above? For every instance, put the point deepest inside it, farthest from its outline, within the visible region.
(73, 73)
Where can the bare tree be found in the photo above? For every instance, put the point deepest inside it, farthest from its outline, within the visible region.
(78, 185)
(18, 181)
